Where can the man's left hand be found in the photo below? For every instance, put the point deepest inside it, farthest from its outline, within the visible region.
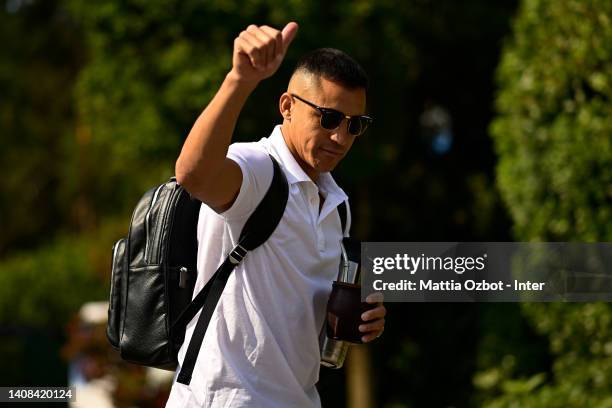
(374, 319)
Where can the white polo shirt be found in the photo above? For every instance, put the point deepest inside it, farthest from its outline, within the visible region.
(261, 347)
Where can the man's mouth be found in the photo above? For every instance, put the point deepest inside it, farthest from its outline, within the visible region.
(332, 152)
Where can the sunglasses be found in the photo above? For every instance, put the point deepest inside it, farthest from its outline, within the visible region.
(331, 119)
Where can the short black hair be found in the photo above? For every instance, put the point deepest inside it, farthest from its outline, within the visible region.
(334, 65)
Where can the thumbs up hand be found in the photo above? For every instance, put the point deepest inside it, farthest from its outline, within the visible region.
(259, 51)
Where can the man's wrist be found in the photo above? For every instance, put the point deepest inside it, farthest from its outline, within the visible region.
(233, 79)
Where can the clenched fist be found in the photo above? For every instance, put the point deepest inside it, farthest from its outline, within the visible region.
(259, 51)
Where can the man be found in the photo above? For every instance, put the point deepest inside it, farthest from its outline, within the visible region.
(261, 346)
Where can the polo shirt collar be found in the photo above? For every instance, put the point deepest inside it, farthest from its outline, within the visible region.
(295, 174)
(293, 171)
(332, 193)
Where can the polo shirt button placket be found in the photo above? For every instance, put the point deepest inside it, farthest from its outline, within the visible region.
(321, 240)
(315, 211)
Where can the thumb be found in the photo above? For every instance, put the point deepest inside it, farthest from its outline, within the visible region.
(288, 34)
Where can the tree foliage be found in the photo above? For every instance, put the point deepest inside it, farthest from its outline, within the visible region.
(553, 129)
(39, 60)
(553, 135)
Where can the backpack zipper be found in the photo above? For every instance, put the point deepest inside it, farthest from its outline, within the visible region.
(173, 197)
(147, 227)
(115, 248)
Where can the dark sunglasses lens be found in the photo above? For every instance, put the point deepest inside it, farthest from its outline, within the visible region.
(354, 126)
(358, 126)
(330, 119)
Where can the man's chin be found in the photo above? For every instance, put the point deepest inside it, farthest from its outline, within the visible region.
(326, 167)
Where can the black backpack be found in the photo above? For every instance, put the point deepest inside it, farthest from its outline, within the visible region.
(154, 272)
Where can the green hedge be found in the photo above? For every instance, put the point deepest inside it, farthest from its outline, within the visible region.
(44, 288)
(553, 135)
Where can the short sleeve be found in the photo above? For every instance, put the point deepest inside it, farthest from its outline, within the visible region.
(257, 172)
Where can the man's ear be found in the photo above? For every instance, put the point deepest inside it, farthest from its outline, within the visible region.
(284, 105)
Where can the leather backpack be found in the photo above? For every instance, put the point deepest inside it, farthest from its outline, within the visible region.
(154, 272)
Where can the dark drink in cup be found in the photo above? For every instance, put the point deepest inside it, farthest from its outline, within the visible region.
(344, 310)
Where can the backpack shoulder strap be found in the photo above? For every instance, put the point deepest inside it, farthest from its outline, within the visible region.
(344, 213)
(264, 220)
(258, 228)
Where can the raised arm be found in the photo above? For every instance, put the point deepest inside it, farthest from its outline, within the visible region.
(202, 167)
